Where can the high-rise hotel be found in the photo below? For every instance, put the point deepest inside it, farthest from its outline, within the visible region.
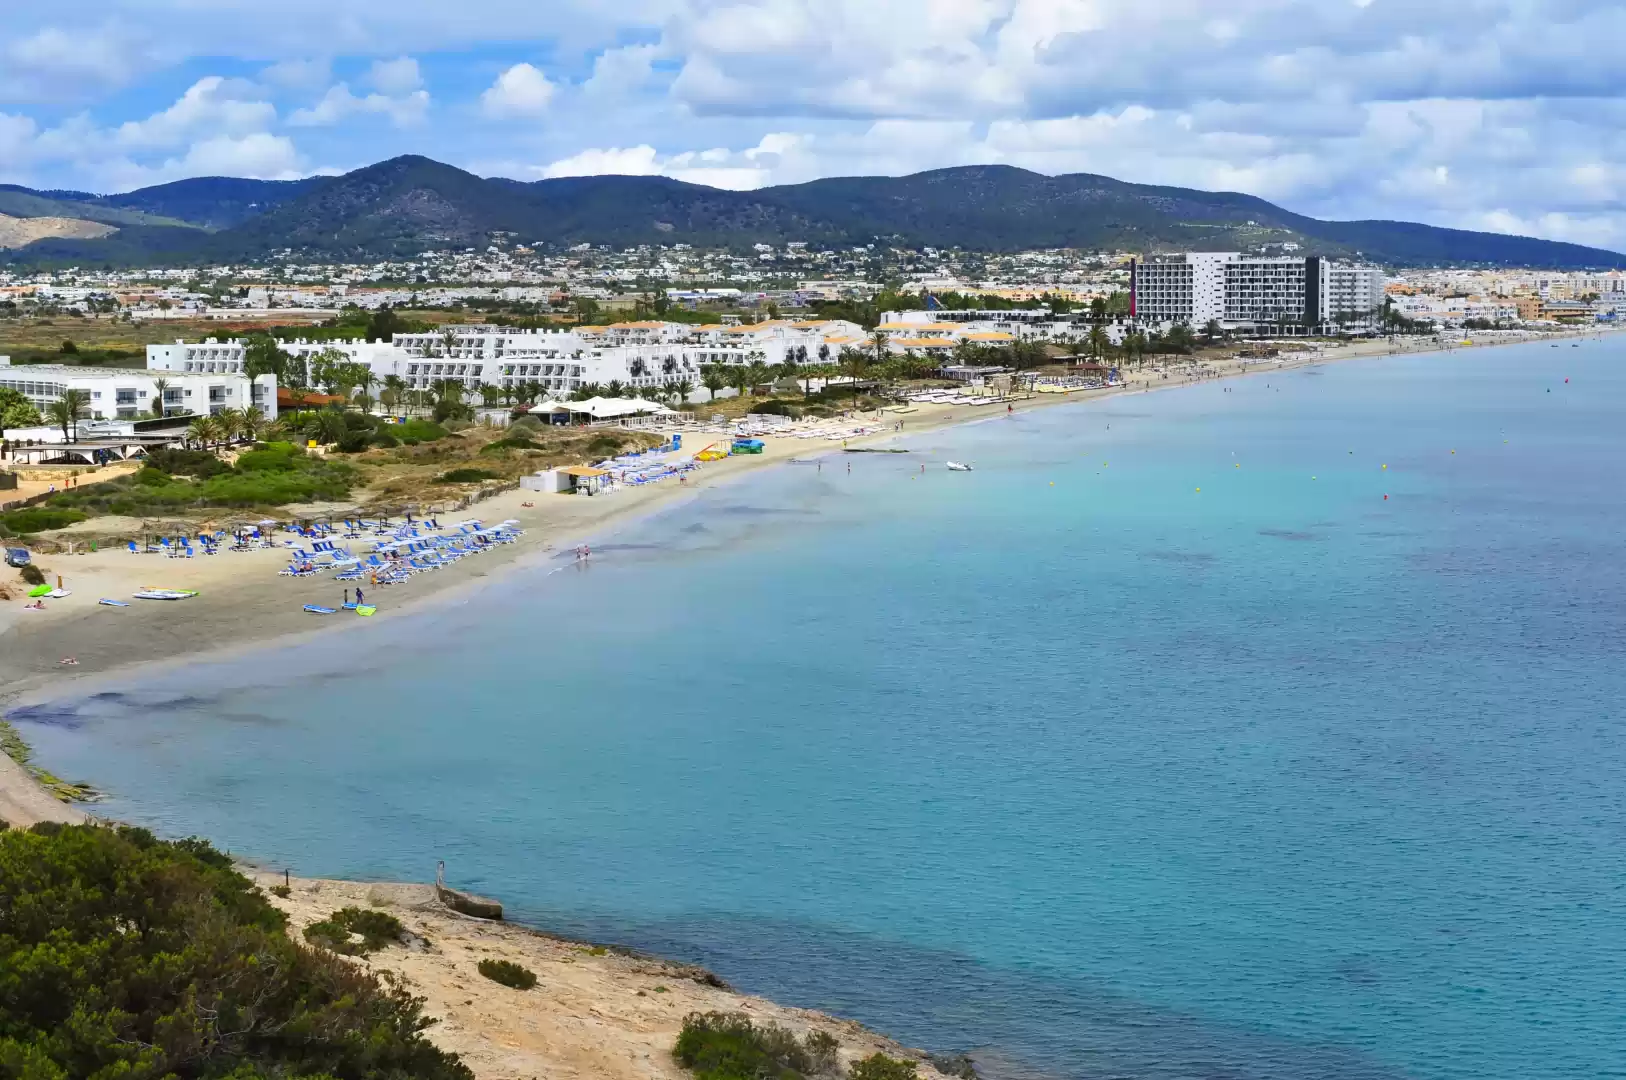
(1274, 295)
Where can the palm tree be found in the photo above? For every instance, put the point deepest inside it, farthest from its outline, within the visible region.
(159, 385)
(739, 377)
(877, 341)
(229, 422)
(614, 388)
(251, 423)
(855, 362)
(1098, 342)
(713, 380)
(757, 372)
(490, 394)
(203, 430)
(681, 390)
(391, 395)
(67, 410)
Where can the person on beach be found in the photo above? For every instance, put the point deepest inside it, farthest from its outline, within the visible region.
(359, 600)
(347, 598)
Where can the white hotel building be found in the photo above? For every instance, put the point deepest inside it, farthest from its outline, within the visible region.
(1308, 295)
(635, 354)
(126, 393)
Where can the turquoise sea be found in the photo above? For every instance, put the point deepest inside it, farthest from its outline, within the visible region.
(1063, 760)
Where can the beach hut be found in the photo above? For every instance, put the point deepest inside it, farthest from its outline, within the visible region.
(584, 478)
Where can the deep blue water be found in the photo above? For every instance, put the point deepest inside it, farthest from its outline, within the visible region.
(1063, 759)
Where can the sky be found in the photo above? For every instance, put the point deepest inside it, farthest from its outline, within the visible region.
(1502, 115)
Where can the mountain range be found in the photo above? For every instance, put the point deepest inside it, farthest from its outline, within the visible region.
(411, 204)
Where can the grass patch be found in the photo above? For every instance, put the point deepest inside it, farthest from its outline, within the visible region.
(39, 518)
(198, 463)
(339, 931)
(465, 476)
(508, 974)
(729, 1046)
(274, 476)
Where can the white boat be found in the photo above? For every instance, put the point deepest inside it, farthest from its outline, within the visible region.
(955, 466)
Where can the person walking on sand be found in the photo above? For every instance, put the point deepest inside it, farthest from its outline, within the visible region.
(347, 598)
(359, 600)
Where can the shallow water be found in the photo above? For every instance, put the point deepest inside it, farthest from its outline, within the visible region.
(1064, 758)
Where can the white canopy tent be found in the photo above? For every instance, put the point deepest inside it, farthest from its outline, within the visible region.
(602, 408)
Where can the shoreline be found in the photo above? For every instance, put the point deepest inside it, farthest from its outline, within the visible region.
(269, 610)
(255, 609)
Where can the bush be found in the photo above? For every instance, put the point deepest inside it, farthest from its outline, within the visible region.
(501, 971)
(122, 955)
(271, 459)
(512, 442)
(39, 518)
(605, 445)
(384, 439)
(465, 476)
(32, 574)
(151, 477)
(421, 430)
(525, 425)
(776, 407)
(728, 1046)
(881, 1067)
(198, 463)
(339, 930)
(353, 442)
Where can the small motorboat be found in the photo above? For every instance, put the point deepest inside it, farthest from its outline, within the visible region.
(956, 466)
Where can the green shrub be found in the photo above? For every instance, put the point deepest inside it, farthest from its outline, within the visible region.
(509, 974)
(339, 930)
(353, 442)
(465, 476)
(525, 425)
(282, 891)
(271, 459)
(512, 442)
(881, 1067)
(39, 518)
(605, 445)
(122, 955)
(728, 1046)
(384, 439)
(151, 477)
(776, 407)
(199, 463)
(421, 430)
(32, 574)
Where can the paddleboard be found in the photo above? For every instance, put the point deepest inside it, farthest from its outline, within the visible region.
(39, 590)
(57, 594)
(318, 609)
(112, 603)
(366, 609)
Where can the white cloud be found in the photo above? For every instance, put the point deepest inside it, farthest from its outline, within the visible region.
(54, 63)
(717, 167)
(339, 104)
(395, 78)
(622, 71)
(299, 74)
(522, 90)
(211, 104)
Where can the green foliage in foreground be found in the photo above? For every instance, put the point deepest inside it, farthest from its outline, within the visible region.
(122, 956)
(274, 476)
(508, 974)
(729, 1046)
(339, 931)
(39, 518)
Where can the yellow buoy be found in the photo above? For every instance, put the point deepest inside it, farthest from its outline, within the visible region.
(1238, 465)
(1052, 483)
(1199, 489)
(1386, 466)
